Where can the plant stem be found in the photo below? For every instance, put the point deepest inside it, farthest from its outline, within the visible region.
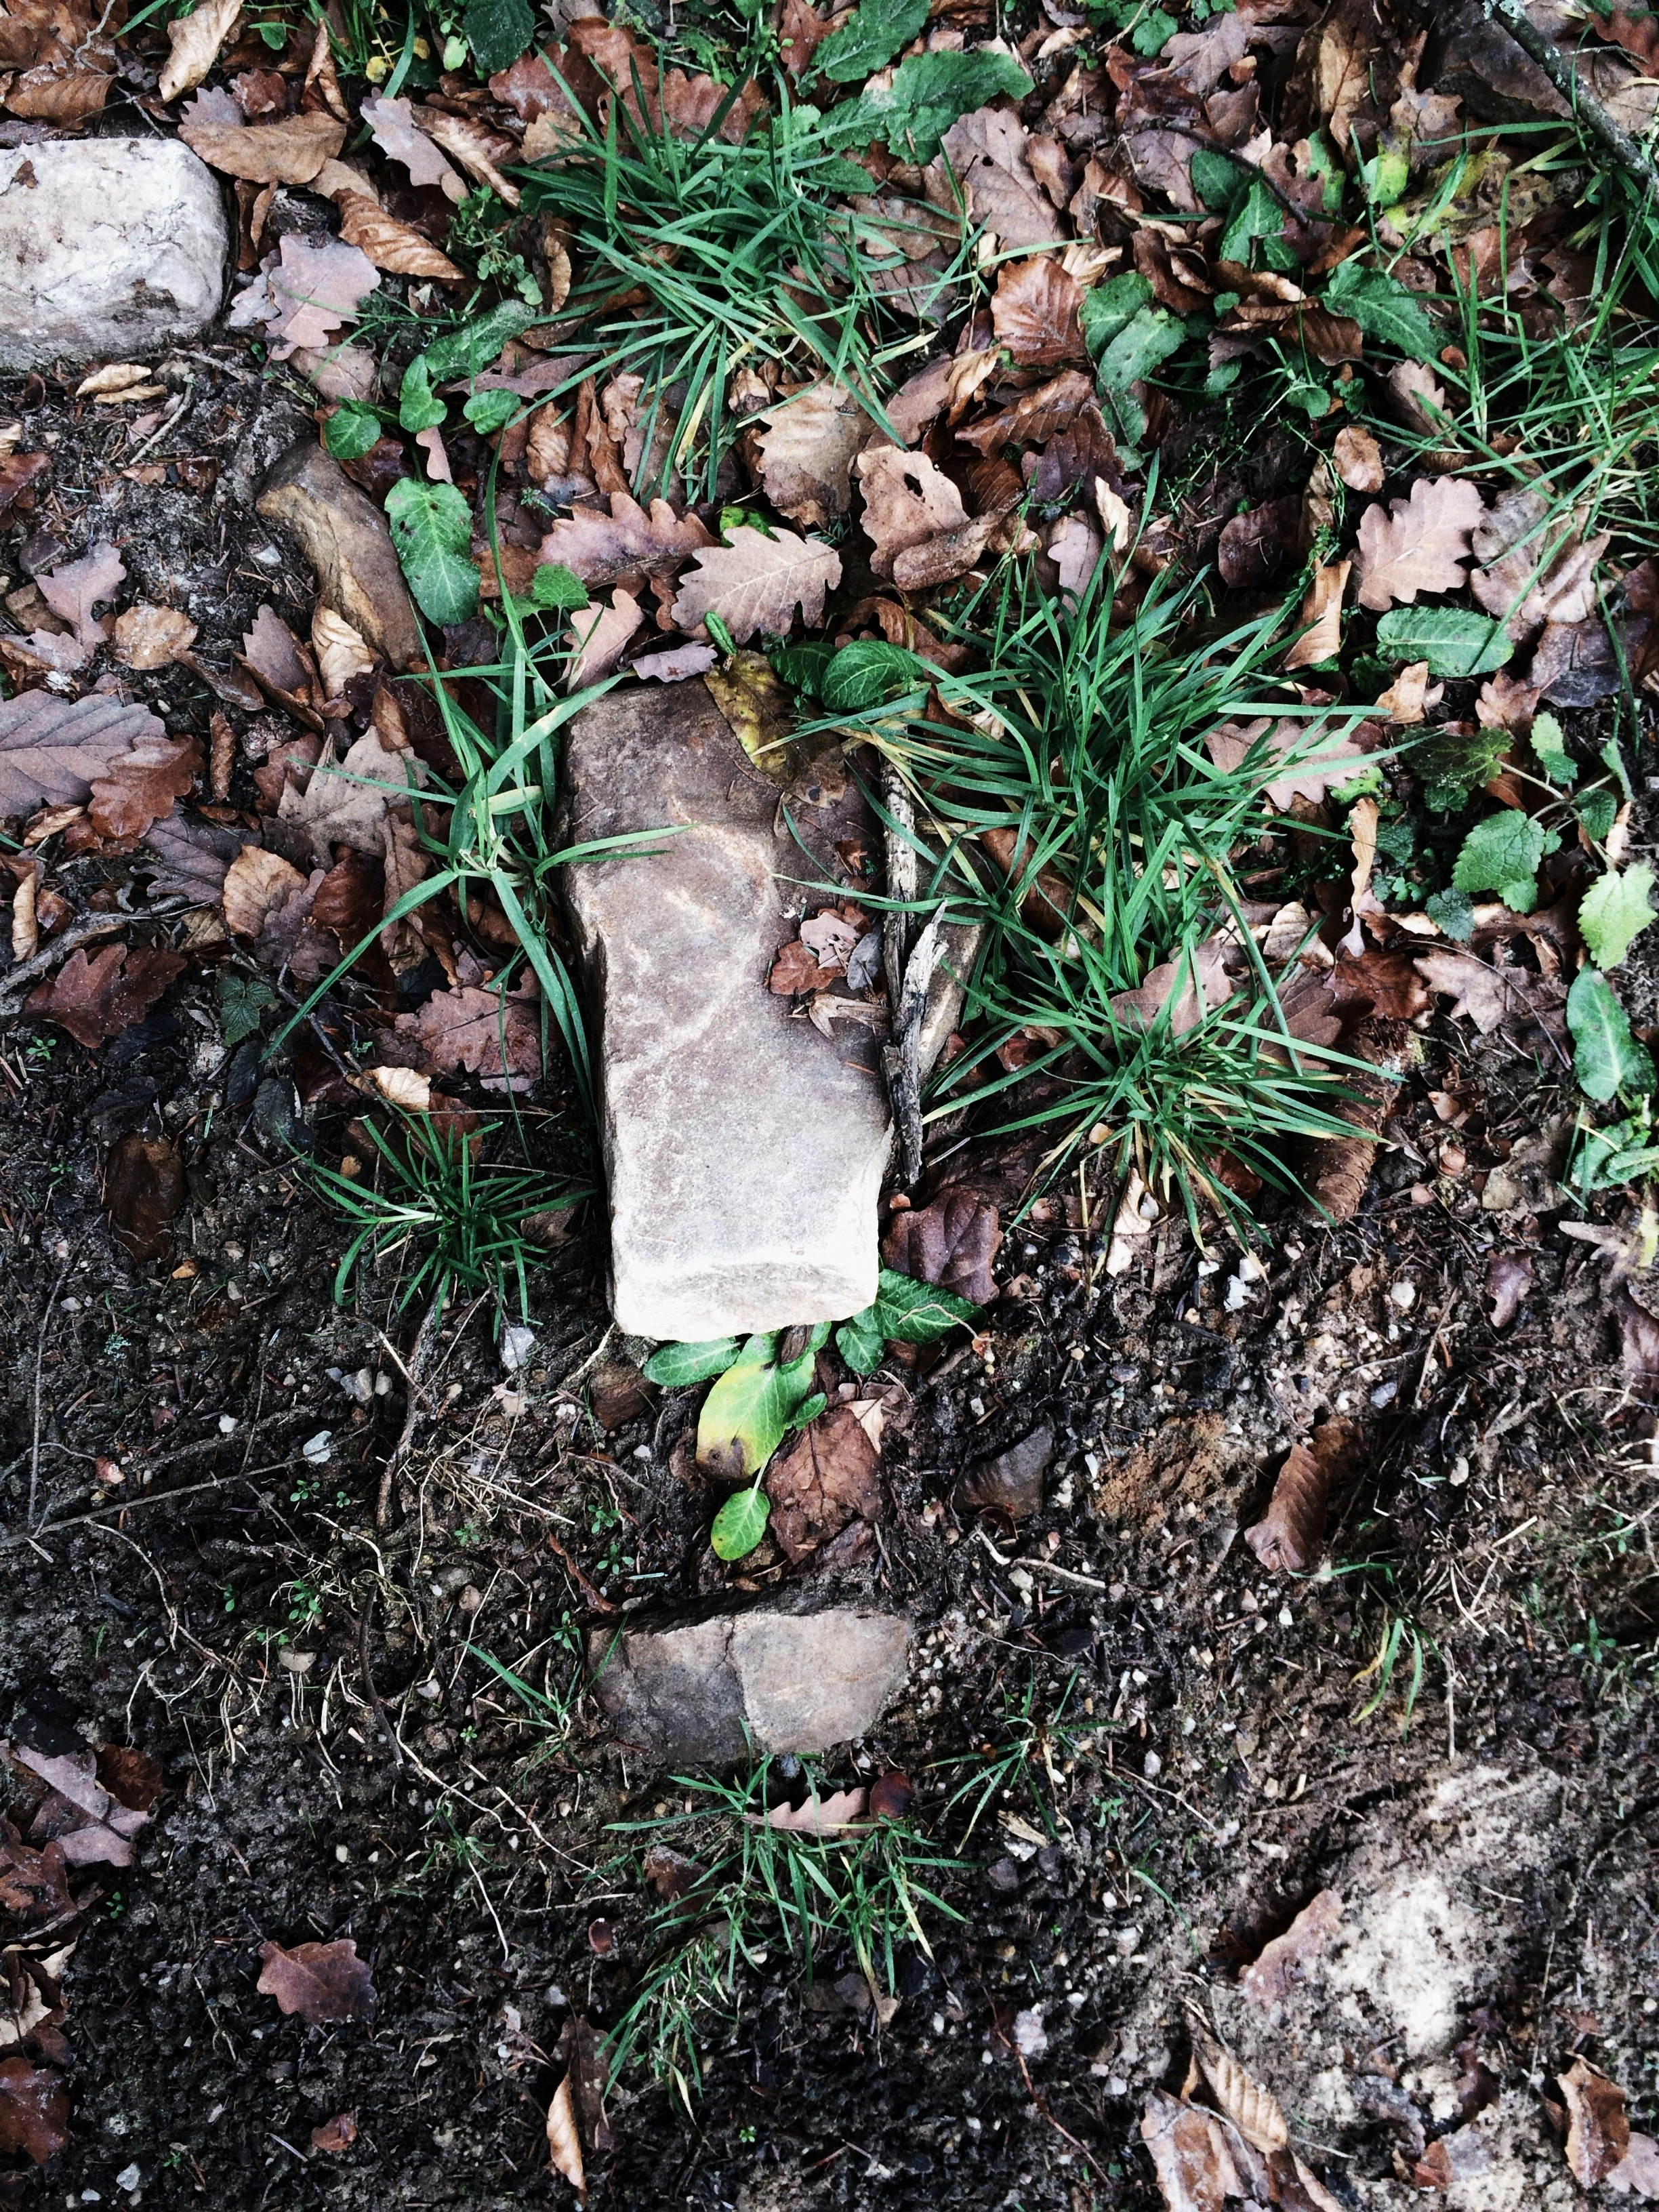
(1587, 111)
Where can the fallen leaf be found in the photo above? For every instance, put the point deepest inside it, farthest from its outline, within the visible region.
(72, 591)
(953, 1242)
(806, 452)
(340, 650)
(1034, 313)
(149, 637)
(1510, 1276)
(795, 971)
(397, 247)
(256, 883)
(397, 134)
(597, 636)
(132, 1777)
(495, 1036)
(336, 2135)
(95, 999)
(890, 1796)
(34, 2110)
(1486, 995)
(1417, 544)
(602, 548)
(564, 2145)
(1598, 2132)
(1254, 2111)
(1075, 547)
(1283, 1963)
(272, 652)
(1191, 2155)
(1290, 1535)
(841, 1810)
(290, 151)
(1504, 702)
(1539, 567)
(1253, 547)
(195, 40)
(1358, 459)
(33, 1885)
(1010, 1482)
(345, 804)
(18, 471)
(1637, 2172)
(321, 1982)
(143, 1192)
(1419, 399)
(985, 153)
(906, 501)
(190, 857)
(1188, 988)
(1325, 759)
(479, 151)
(316, 284)
(141, 786)
(826, 1479)
(1321, 616)
(1408, 698)
(675, 666)
(756, 582)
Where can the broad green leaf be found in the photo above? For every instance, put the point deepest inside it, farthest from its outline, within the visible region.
(674, 1365)
(740, 1524)
(746, 1415)
(431, 528)
(1605, 1158)
(490, 411)
(868, 674)
(498, 30)
(419, 407)
(1614, 911)
(1258, 215)
(1109, 308)
(1454, 911)
(1153, 32)
(806, 1414)
(1150, 336)
(242, 1000)
(802, 667)
(1504, 855)
(918, 1313)
(1217, 179)
(1453, 640)
(869, 40)
(555, 588)
(1597, 812)
(471, 348)
(351, 431)
(1549, 743)
(1605, 1057)
(860, 1341)
(1385, 177)
(928, 95)
(1383, 309)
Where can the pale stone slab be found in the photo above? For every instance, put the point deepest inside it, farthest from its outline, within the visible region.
(744, 1151)
(110, 248)
(707, 1692)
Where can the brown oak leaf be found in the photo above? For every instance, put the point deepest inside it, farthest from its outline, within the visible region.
(321, 1982)
(397, 134)
(1417, 544)
(144, 1192)
(908, 500)
(290, 151)
(826, 1479)
(141, 788)
(982, 159)
(493, 1035)
(1291, 1533)
(1598, 2130)
(397, 247)
(795, 971)
(601, 549)
(1358, 459)
(95, 999)
(756, 582)
(806, 452)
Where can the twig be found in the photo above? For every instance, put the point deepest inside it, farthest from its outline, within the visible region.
(585, 1367)
(381, 1714)
(1060, 1574)
(1586, 110)
(135, 1504)
(901, 1060)
(181, 407)
(78, 932)
(419, 1360)
(901, 876)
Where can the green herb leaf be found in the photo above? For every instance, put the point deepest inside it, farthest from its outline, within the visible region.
(1109, 308)
(1258, 215)
(1383, 309)
(918, 1313)
(471, 348)
(869, 673)
(928, 95)
(1605, 1057)
(746, 1416)
(802, 667)
(870, 40)
(806, 1414)
(351, 431)
(1219, 180)
(1454, 912)
(674, 1365)
(740, 1524)
(1504, 855)
(1549, 743)
(861, 1342)
(242, 1000)
(498, 30)
(490, 411)
(419, 407)
(431, 528)
(1150, 336)
(1453, 640)
(1153, 32)
(555, 588)
(1614, 911)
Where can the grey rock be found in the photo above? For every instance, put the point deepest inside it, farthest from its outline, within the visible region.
(744, 1151)
(705, 1693)
(1011, 1482)
(345, 536)
(118, 247)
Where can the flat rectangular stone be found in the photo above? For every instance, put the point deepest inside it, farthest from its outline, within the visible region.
(744, 1151)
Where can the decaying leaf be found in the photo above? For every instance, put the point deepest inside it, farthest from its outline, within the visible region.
(1510, 1276)
(1033, 313)
(1358, 459)
(600, 549)
(599, 634)
(1290, 1535)
(96, 999)
(807, 450)
(397, 134)
(1285, 1962)
(53, 750)
(906, 501)
(1417, 544)
(289, 151)
(1186, 990)
(492, 1034)
(756, 582)
(1598, 2132)
(826, 1479)
(144, 1192)
(345, 802)
(953, 1242)
(841, 1810)
(1408, 698)
(336, 2135)
(564, 2144)
(320, 1982)
(34, 2110)
(1324, 758)
(152, 637)
(397, 247)
(1322, 617)
(195, 40)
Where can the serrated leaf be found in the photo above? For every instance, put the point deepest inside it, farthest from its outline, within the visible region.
(928, 95)
(351, 431)
(870, 39)
(1504, 855)
(674, 1365)
(1452, 639)
(1149, 336)
(747, 1413)
(1383, 309)
(740, 1524)
(431, 529)
(242, 1000)
(1605, 1058)
(1454, 912)
(860, 1342)
(868, 674)
(918, 1313)
(498, 30)
(1614, 911)
(756, 582)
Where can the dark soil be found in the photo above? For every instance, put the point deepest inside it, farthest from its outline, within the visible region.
(1210, 1752)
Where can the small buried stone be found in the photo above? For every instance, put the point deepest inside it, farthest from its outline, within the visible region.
(707, 1692)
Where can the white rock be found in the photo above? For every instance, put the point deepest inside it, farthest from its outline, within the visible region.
(118, 247)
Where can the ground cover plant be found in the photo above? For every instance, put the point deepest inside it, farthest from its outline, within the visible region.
(1181, 478)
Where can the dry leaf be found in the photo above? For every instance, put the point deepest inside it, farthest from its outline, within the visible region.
(953, 1242)
(95, 999)
(346, 805)
(492, 1035)
(1188, 990)
(1539, 567)
(34, 2110)
(397, 247)
(1417, 544)
(1358, 459)
(1484, 994)
(842, 1809)
(600, 549)
(674, 666)
(195, 40)
(1283, 1963)
(1290, 1535)
(1192, 2156)
(288, 152)
(1075, 547)
(597, 636)
(321, 1982)
(1409, 698)
(1132, 1225)
(985, 153)
(397, 134)
(477, 150)
(826, 1479)
(1598, 2130)
(1034, 313)
(1418, 398)
(806, 452)
(1322, 613)
(256, 883)
(1326, 759)
(149, 637)
(1510, 1276)
(795, 972)
(564, 2145)
(340, 650)
(141, 786)
(756, 582)
(339, 2133)
(1637, 2172)
(315, 286)
(144, 1192)
(906, 501)
(1504, 702)
(404, 1087)
(1253, 2110)
(73, 589)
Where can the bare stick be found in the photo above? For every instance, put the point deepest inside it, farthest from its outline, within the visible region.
(1587, 111)
(78, 932)
(419, 1360)
(902, 1058)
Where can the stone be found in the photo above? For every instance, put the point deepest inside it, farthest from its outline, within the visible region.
(110, 248)
(744, 1151)
(1011, 1482)
(345, 536)
(706, 1692)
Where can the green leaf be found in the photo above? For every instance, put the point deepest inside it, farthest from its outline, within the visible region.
(1383, 309)
(1614, 911)
(674, 1365)
(555, 588)
(1258, 215)
(473, 347)
(740, 1524)
(870, 40)
(861, 1342)
(1385, 177)
(918, 1313)
(1453, 640)
(928, 95)
(746, 1416)
(498, 30)
(806, 1414)
(419, 407)
(1109, 308)
(490, 411)
(1605, 1158)
(242, 1000)
(1454, 912)
(1605, 1057)
(351, 431)
(1549, 743)
(1504, 855)
(1148, 338)
(869, 673)
(1597, 812)
(1153, 32)
(431, 528)
(1217, 179)
(802, 667)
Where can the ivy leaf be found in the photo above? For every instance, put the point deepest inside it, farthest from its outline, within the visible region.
(351, 431)
(419, 407)
(740, 1524)
(1614, 911)
(1258, 215)
(1383, 309)
(490, 411)
(1504, 855)
(1108, 309)
(861, 1341)
(476, 344)
(1453, 640)
(746, 1416)
(431, 528)
(918, 1313)
(1605, 1057)
(928, 95)
(674, 1365)
(869, 40)
(868, 674)
(1150, 336)
(498, 30)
